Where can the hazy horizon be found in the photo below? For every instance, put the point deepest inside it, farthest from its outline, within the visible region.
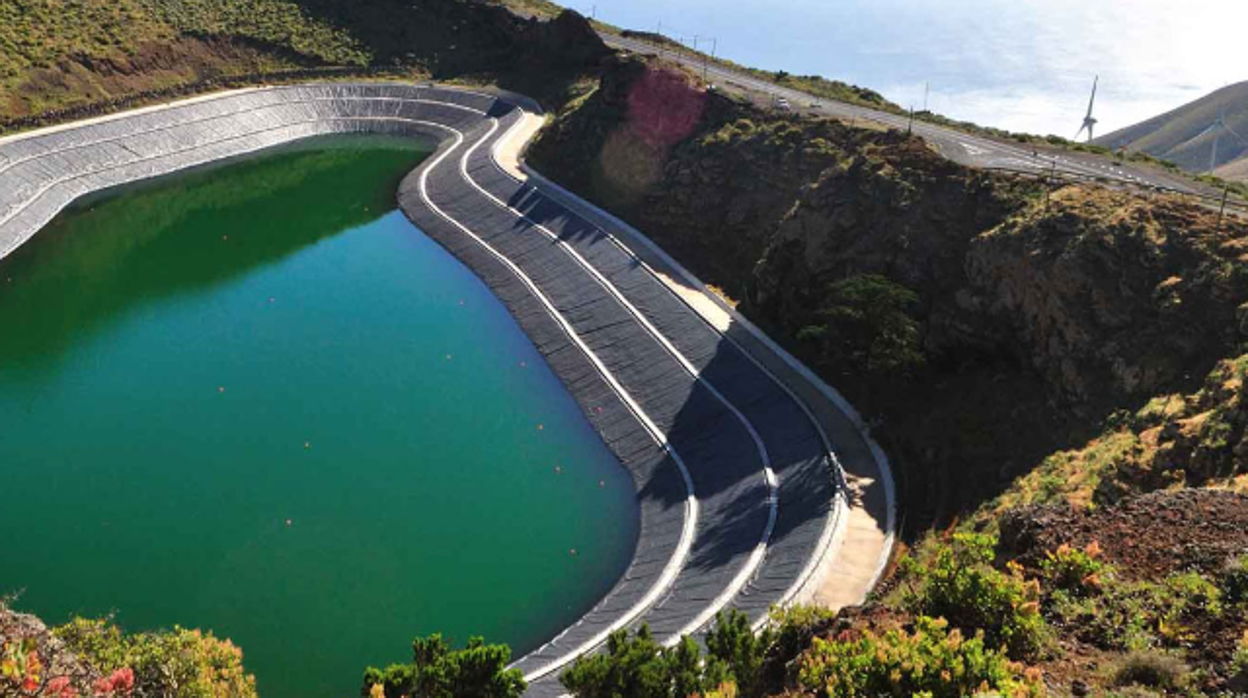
(1027, 66)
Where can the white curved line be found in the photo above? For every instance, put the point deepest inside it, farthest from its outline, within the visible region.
(830, 530)
(769, 477)
(676, 564)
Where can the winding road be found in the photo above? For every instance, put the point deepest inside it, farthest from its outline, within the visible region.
(959, 146)
(757, 484)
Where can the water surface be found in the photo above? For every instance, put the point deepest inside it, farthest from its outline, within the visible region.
(256, 399)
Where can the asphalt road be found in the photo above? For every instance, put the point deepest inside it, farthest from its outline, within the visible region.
(961, 147)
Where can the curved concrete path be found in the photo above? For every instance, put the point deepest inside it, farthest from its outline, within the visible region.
(744, 462)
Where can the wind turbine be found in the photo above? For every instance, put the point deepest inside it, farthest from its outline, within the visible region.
(1216, 128)
(1088, 121)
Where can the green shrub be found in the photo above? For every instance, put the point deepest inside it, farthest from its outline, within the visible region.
(1234, 581)
(960, 584)
(1240, 660)
(1139, 615)
(737, 662)
(632, 667)
(1151, 669)
(933, 662)
(173, 664)
(740, 653)
(1076, 570)
(866, 323)
(439, 671)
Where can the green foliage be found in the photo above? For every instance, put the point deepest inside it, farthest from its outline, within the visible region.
(1076, 570)
(1139, 615)
(1152, 669)
(867, 323)
(737, 661)
(173, 664)
(633, 666)
(1233, 581)
(795, 627)
(439, 671)
(734, 646)
(933, 661)
(1240, 661)
(958, 582)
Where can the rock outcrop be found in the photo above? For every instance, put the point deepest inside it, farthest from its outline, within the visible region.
(1039, 313)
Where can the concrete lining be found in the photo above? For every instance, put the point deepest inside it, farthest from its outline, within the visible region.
(738, 471)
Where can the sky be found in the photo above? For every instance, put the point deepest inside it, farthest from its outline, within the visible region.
(1022, 65)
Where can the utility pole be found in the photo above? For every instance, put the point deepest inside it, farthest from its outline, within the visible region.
(926, 88)
(1048, 185)
(1222, 210)
(706, 61)
(910, 123)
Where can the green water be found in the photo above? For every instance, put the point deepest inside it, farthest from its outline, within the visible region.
(255, 399)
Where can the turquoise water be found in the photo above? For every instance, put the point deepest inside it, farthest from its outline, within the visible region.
(257, 400)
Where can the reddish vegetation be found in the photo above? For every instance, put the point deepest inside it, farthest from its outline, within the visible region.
(1146, 537)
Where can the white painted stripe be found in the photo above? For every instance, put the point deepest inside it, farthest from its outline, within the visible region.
(769, 477)
(677, 562)
(834, 528)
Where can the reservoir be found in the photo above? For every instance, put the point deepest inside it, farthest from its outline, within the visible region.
(255, 399)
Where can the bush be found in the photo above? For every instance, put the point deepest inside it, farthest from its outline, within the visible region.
(1234, 581)
(960, 584)
(174, 664)
(1151, 669)
(933, 662)
(1139, 615)
(737, 662)
(1240, 661)
(1073, 569)
(632, 667)
(438, 671)
(732, 644)
(866, 323)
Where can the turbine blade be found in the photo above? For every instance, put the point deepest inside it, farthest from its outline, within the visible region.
(1211, 127)
(1092, 100)
(1079, 132)
(1232, 132)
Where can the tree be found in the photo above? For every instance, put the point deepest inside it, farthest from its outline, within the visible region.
(438, 671)
(632, 667)
(867, 325)
(638, 667)
(732, 644)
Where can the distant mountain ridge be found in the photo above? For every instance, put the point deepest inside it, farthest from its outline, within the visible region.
(1182, 137)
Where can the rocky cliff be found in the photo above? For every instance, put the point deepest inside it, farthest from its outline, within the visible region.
(981, 321)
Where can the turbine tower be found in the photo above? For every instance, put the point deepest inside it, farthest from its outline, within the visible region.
(1216, 128)
(1088, 121)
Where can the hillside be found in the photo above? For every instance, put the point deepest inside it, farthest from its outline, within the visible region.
(68, 54)
(1057, 375)
(1179, 135)
(1076, 348)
